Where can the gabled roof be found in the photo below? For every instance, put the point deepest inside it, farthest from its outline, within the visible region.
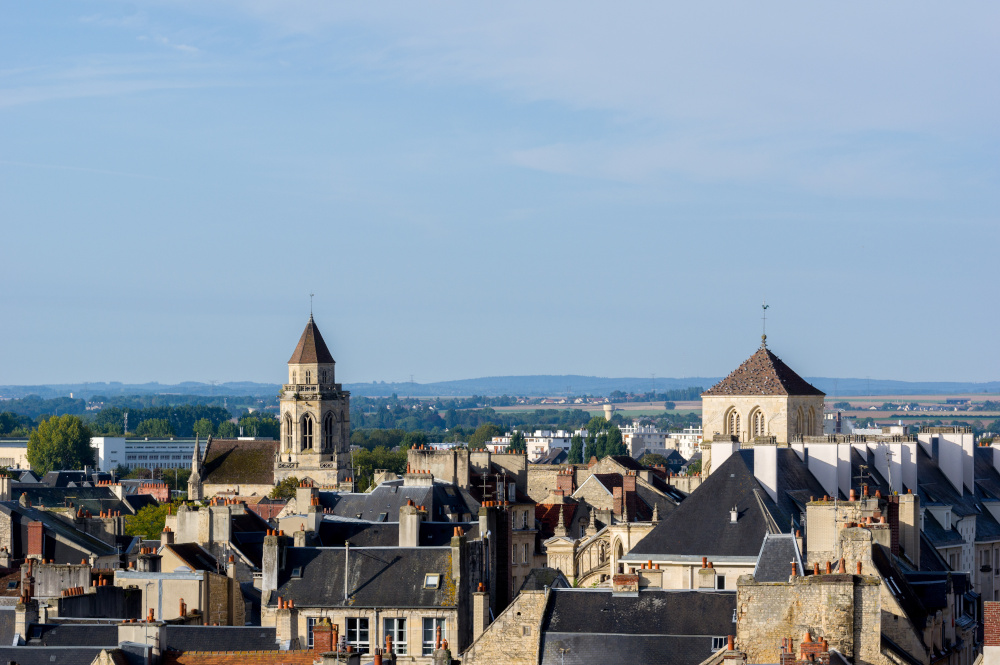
(57, 526)
(194, 556)
(763, 373)
(439, 499)
(230, 461)
(220, 638)
(311, 348)
(383, 577)
(74, 635)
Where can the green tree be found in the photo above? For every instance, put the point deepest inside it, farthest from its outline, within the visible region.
(60, 442)
(154, 427)
(412, 440)
(176, 479)
(517, 443)
(653, 459)
(140, 473)
(591, 450)
(148, 522)
(483, 433)
(614, 444)
(285, 489)
(694, 467)
(575, 450)
(260, 425)
(596, 425)
(227, 430)
(204, 428)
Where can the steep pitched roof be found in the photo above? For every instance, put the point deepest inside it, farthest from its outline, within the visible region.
(763, 373)
(311, 347)
(245, 462)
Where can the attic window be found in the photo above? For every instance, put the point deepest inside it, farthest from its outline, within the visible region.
(36, 632)
(297, 572)
(719, 643)
(432, 580)
(12, 584)
(382, 517)
(450, 491)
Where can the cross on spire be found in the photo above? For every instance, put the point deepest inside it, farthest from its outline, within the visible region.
(311, 304)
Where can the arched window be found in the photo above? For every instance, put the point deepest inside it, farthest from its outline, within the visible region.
(328, 432)
(295, 378)
(812, 421)
(800, 421)
(757, 423)
(308, 376)
(307, 432)
(288, 432)
(733, 423)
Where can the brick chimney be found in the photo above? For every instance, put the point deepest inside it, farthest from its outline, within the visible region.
(323, 636)
(286, 621)
(35, 539)
(565, 482)
(991, 632)
(628, 489)
(617, 494)
(480, 611)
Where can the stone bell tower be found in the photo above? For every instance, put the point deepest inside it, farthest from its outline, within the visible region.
(315, 416)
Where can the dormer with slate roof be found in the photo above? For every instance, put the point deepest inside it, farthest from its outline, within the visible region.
(763, 397)
(315, 415)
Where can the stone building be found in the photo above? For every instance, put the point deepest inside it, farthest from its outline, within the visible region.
(763, 397)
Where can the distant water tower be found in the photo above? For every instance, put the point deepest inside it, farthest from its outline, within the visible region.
(608, 410)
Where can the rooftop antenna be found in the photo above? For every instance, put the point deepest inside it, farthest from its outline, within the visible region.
(763, 325)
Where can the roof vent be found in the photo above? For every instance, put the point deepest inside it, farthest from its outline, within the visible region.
(734, 515)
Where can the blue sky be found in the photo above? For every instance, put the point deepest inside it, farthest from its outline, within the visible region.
(477, 189)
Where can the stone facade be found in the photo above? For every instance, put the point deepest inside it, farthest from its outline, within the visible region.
(514, 638)
(784, 416)
(845, 610)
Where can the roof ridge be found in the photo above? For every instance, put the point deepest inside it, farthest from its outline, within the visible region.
(763, 373)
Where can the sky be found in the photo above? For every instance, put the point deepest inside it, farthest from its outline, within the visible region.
(478, 189)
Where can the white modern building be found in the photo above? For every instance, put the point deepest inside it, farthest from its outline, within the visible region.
(643, 438)
(14, 454)
(165, 453)
(537, 443)
(687, 442)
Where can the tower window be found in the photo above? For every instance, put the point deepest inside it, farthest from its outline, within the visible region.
(322, 376)
(733, 423)
(307, 432)
(757, 424)
(308, 376)
(328, 432)
(288, 432)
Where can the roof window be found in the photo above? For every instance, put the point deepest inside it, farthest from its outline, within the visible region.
(297, 572)
(432, 580)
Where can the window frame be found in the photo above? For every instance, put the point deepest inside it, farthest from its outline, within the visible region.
(399, 647)
(427, 648)
(360, 624)
(310, 625)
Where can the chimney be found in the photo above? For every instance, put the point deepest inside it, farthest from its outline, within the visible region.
(287, 625)
(628, 490)
(410, 517)
(481, 611)
(627, 585)
(991, 632)
(722, 448)
(273, 556)
(618, 502)
(909, 527)
(323, 636)
(765, 467)
(35, 539)
(565, 482)
(167, 536)
(25, 614)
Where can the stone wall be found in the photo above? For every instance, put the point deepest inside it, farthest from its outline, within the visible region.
(843, 609)
(514, 637)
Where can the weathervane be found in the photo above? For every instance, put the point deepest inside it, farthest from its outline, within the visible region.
(311, 304)
(763, 326)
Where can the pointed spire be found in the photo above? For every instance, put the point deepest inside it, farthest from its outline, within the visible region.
(561, 526)
(311, 347)
(196, 455)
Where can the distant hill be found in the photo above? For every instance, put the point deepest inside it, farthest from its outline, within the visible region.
(532, 385)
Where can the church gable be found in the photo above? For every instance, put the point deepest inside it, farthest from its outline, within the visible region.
(763, 373)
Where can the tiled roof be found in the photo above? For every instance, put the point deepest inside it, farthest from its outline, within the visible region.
(763, 373)
(240, 658)
(230, 461)
(311, 347)
(548, 515)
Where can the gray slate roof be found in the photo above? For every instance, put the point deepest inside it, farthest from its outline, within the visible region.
(49, 655)
(776, 554)
(439, 499)
(733, 483)
(74, 635)
(378, 577)
(85, 542)
(659, 627)
(220, 638)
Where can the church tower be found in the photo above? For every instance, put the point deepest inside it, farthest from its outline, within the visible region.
(315, 416)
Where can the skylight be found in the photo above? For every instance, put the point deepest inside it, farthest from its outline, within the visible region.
(432, 580)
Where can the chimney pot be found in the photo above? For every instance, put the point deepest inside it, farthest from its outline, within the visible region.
(859, 567)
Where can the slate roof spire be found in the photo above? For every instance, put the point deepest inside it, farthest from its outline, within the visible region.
(311, 348)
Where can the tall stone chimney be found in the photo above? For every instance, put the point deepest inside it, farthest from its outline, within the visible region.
(410, 517)
(765, 467)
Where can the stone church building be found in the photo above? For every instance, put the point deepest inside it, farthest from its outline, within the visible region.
(315, 441)
(763, 397)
